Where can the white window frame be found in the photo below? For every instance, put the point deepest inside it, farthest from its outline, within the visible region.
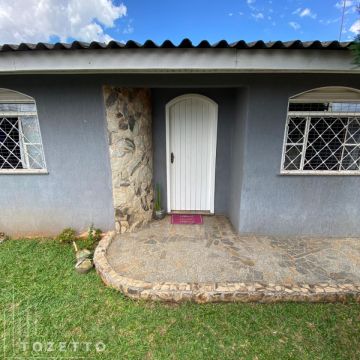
(308, 115)
(23, 99)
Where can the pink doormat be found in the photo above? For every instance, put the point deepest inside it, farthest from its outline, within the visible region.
(186, 219)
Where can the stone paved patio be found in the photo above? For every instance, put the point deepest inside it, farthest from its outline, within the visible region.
(213, 253)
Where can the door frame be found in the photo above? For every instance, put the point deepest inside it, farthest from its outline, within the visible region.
(213, 144)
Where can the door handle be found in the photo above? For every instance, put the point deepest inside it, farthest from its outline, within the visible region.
(172, 157)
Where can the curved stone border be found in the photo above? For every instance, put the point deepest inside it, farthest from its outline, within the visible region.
(218, 292)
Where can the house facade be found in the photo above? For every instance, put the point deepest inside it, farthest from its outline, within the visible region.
(266, 134)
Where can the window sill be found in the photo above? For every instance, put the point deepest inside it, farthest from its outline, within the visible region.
(24, 172)
(320, 173)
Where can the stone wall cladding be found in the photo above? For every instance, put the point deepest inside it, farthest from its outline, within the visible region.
(128, 114)
(218, 292)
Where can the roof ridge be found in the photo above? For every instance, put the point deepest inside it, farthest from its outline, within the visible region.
(185, 43)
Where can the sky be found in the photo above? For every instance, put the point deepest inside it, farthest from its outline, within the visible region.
(158, 20)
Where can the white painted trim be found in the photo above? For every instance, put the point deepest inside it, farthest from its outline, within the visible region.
(18, 113)
(14, 97)
(321, 172)
(23, 172)
(321, 113)
(214, 122)
(177, 61)
(167, 126)
(329, 93)
(6, 97)
(304, 144)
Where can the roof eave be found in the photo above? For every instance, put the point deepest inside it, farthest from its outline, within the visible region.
(180, 60)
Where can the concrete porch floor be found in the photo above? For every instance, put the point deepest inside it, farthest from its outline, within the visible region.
(213, 253)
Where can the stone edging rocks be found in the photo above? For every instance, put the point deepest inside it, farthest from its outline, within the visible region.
(218, 292)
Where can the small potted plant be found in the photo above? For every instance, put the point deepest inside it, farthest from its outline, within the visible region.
(159, 211)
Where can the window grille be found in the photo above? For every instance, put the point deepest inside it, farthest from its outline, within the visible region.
(322, 137)
(21, 147)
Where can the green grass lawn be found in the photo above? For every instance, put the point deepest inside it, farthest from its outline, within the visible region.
(46, 306)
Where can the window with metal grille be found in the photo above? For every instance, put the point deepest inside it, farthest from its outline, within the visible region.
(21, 147)
(322, 134)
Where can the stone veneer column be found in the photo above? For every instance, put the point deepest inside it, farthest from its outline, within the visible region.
(128, 114)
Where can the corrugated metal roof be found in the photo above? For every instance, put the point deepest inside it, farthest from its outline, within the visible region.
(184, 44)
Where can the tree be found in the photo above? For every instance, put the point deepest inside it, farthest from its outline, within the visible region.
(355, 47)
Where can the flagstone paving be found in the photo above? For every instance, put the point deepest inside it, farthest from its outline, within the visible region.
(213, 252)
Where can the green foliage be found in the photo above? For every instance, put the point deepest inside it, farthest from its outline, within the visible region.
(94, 236)
(62, 306)
(67, 236)
(356, 50)
(157, 205)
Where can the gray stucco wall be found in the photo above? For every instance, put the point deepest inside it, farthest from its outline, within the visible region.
(238, 146)
(258, 199)
(249, 189)
(77, 190)
(290, 205)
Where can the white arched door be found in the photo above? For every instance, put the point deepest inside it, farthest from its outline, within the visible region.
(191, 130)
